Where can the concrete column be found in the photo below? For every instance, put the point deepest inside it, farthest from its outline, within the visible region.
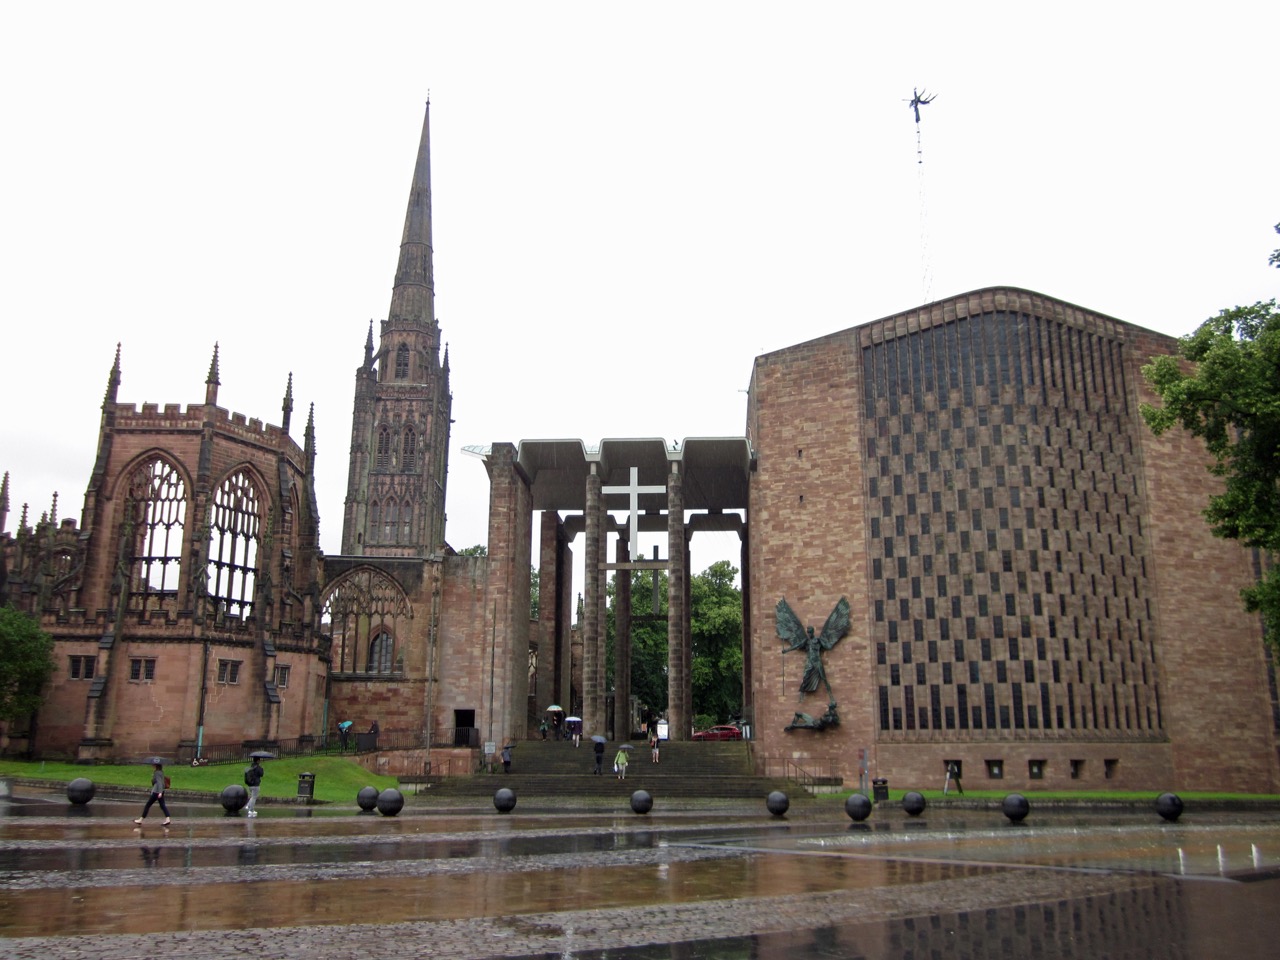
(622, 645)
(592, 624)
(546, 688)
(679, 692)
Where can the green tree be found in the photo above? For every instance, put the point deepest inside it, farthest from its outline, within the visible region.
(1229, 396)
(476, 550)
(715, 624)
(534, 587)
(26, 663)
(648, 640)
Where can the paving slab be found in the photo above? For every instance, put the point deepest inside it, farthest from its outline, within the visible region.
(706, 880)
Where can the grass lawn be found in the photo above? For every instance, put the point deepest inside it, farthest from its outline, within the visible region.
(338, 779)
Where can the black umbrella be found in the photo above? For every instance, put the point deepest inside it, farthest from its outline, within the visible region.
(262, 755)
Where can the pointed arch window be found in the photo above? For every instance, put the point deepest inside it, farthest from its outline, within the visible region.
(389, 522)
(408, 458)
(380, 651)
(374, 516)
(405, 525)
(384, 449)
(362, 614)
(234, 523)
(402, 362)
(156, 514)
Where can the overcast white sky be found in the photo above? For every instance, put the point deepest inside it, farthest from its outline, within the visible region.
(632, 201)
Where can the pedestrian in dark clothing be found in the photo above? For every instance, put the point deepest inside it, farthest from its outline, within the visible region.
(158, 786)
(506, 759)
(599, 749)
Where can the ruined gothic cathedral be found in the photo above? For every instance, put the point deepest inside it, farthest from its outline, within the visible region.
(1032, 595)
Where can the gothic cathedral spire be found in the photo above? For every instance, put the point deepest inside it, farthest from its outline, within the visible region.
(400, 424)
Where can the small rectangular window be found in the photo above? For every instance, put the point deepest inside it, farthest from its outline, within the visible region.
(228, 671)
(83, 668)
(1109, 768)
(1035, 769)
(995, 769)
(142, 668)
(1077, 767)
(282, 676)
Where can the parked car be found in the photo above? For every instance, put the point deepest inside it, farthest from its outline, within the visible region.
(722, 732)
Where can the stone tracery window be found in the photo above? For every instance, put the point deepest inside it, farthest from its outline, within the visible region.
(362, 616)
(384, 449)
(234, 524)
(375, 516)
(380, 651)
(402, 362)
(157, 505)
(409, 450)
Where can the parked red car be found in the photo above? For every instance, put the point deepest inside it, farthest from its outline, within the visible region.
(723, 732)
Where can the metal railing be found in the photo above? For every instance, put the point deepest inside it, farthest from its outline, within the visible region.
(392, 739)
(824, 773)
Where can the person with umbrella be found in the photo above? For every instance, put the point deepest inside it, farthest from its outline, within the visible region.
(506, 758)
(253, 780)
(344, 731)
(620, 761)
(159, 783)
(597, 744)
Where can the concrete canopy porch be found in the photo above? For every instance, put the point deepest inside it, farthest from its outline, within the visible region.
(682, 488)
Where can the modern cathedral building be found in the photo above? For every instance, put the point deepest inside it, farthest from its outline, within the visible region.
(1029, 591)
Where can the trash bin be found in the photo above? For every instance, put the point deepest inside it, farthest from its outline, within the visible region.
(307, 785)
(880, 790)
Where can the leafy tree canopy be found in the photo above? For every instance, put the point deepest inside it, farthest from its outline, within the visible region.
(476, 550)
(1230, 398)
(715, 624)
(26, 663)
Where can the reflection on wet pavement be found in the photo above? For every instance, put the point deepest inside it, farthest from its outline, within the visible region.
(689, 883)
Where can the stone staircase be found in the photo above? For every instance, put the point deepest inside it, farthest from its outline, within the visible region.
(548, 769)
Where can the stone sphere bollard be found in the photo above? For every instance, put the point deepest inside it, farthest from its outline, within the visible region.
(641, 802)
(1169, 806)
(1016, 807)
(233, 798)
(777, 803)
(913, 803)
(80, 791)
(367, 799)
(857, 806)
(390, 802)
(504, 800)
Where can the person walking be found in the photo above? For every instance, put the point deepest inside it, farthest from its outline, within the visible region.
(159, 783)
(620, 764)
(598, 746)
(542, 728)
(253, 780)
(653, 746)
(506, 759)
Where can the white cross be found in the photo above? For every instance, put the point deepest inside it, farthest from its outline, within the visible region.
(634, 490)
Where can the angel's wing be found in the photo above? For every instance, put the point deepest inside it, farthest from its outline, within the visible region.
(789, 626)
(837, 625)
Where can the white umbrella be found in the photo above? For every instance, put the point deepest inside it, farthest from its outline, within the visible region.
(578, 719)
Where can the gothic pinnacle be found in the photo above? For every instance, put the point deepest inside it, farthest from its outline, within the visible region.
(113, 381)
(212, 382)
(287, 406)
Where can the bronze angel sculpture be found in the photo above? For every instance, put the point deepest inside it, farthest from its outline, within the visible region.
(792, 631)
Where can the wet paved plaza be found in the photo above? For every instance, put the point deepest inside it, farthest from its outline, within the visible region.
(724, 881)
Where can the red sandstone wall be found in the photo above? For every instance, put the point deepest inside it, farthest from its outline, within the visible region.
(806, 544)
